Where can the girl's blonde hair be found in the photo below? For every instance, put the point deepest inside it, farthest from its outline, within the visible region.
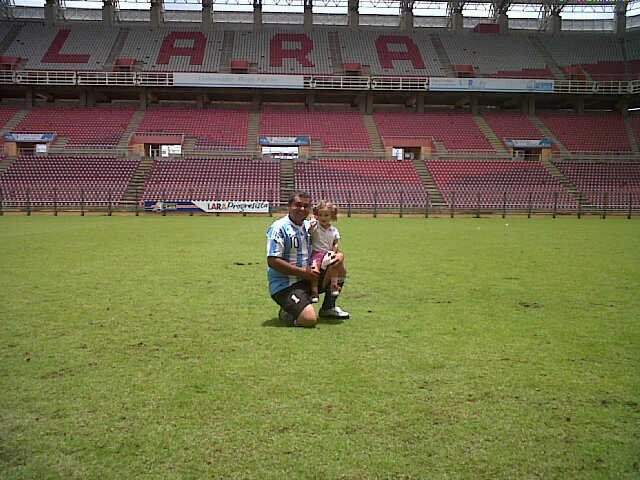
(326, 205)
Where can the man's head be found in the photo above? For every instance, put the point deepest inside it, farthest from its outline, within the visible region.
(299, 206)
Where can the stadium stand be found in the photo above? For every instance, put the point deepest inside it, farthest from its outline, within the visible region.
(213, 129)
(589, 132)
(81, 126)
(213, 179)
(498, 183)
(389, 54)
(457, 131)
(72, 47)
(599, 56)
(43, 180)
(173, 49)
(493, 55)
(613, 184)
(283, 51)
(361, 182)
(337, 131)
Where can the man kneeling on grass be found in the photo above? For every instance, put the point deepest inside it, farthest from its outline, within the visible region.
(290, 272)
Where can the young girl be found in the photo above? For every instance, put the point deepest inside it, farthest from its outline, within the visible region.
(325, 240)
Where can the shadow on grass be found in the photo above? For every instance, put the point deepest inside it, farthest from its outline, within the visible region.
(276, 322)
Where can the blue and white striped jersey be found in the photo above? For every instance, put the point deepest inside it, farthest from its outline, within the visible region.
(287, 240)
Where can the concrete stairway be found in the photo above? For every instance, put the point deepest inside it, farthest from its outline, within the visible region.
(565, 182)
(10, 36)
(287, 181)
(14, 122)
(633, 139)
(335, 54)
(114, 54)
(440, 146)
(444, 59)
(227, 51)
(253, 132)
(6, 164)
(546, 56)
(134, 123)
(136, 185)
(374, 136)
(549, 134)
(490, 135)
(436, 198)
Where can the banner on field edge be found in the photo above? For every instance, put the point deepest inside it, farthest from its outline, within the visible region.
(220, 206)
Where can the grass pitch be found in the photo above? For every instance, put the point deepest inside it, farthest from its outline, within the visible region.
(147, 347)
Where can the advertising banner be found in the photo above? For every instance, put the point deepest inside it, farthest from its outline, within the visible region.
(242, 80)
(491, 85)
(285, 141)
(220, 206)
(29, 137)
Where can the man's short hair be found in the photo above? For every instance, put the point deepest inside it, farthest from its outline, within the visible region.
(298, 193)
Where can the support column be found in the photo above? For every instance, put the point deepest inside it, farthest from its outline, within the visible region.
(621, 18)
(406, 16)
(555, 23)
(308, 15)
(29, 97)
(143, 99)
(257, 15)
(310, 101)
(207, 15)
(579, 106)
(368, 108)
(503, 23)
(108, 13)
(457, 22)
(420, 102)
(475, 105)
(51, 12)
(157, 13)
(354, 15)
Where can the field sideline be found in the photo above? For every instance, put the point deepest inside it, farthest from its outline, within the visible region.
(147, 347)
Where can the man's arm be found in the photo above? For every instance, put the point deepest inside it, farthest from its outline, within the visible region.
(281, 265)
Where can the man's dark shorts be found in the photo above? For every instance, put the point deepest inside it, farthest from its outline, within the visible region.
(295, 298)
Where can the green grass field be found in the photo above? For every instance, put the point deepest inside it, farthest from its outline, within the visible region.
(148, 348)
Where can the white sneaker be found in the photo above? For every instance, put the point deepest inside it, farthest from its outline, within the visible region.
(335, 312)
(315, 299)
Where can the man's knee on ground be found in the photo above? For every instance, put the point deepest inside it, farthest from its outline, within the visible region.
(308, 317)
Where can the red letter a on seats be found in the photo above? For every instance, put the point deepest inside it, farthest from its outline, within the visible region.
(53, 55)
(169, 48)
(387, 57)
(278, 52)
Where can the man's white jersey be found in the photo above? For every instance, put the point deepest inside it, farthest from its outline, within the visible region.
(292, 242)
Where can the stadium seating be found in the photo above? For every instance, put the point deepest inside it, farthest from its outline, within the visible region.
(612, 184)
(362, 183)
(209, 179)
(512, 125)
(100, 127)
(72, 47)
(287, 51)
(494, 55)
(337, 131)
(391, 54)
(458, 131)
(599, 55)
(174, 49)
(214, 129)
(497, 184)
(589, 132)
(66, 180)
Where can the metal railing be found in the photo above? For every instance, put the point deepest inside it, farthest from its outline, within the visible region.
(312, 82)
